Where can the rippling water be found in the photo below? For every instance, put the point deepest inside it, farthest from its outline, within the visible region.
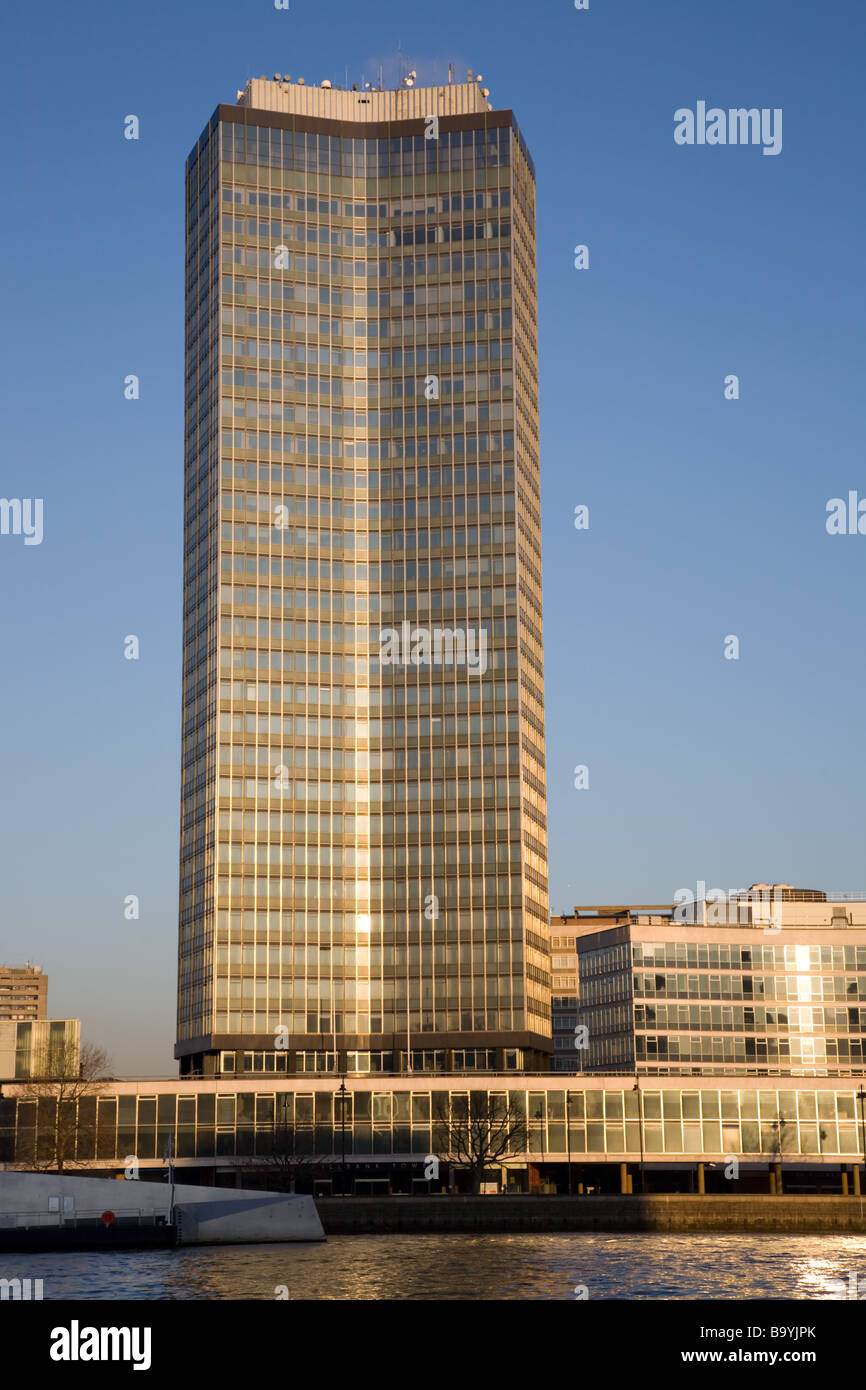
(485, 1267)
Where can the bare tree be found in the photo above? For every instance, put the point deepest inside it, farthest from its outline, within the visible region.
(285, 1158)
(478, 1134)
(67, 1076)
(778, 1138)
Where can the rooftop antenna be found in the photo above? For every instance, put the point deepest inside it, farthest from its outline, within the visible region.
(450, 73)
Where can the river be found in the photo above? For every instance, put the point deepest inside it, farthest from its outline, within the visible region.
(606, 1266)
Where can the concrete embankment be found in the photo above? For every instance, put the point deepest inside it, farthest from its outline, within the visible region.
(797, 1215)
(64, 1211)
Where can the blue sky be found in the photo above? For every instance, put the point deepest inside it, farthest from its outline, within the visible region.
(707, 516)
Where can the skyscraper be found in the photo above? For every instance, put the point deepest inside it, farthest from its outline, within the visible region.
(363, 837)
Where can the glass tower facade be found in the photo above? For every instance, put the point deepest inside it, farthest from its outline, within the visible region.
(363, 831)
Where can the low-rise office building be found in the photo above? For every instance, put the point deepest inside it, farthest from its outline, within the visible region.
(683, 1134)
(39, 1049)
(770, 981)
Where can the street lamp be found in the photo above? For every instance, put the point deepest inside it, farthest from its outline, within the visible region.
(539, 1117)
(861, 1096)
(342, 1095)
(778, 1126)
(568, 1138)
(408, 1066)
(636, 1088)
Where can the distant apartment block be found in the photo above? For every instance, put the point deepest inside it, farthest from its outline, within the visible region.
(23, 992)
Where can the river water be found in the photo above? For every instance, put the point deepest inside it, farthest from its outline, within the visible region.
(477, 1267)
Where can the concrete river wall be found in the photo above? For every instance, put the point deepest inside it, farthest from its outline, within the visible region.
(372, 1215)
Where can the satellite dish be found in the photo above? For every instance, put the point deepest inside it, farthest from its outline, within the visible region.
(300, 81)
(326, 83)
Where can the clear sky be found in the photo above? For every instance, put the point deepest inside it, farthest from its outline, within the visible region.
(707, 515)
